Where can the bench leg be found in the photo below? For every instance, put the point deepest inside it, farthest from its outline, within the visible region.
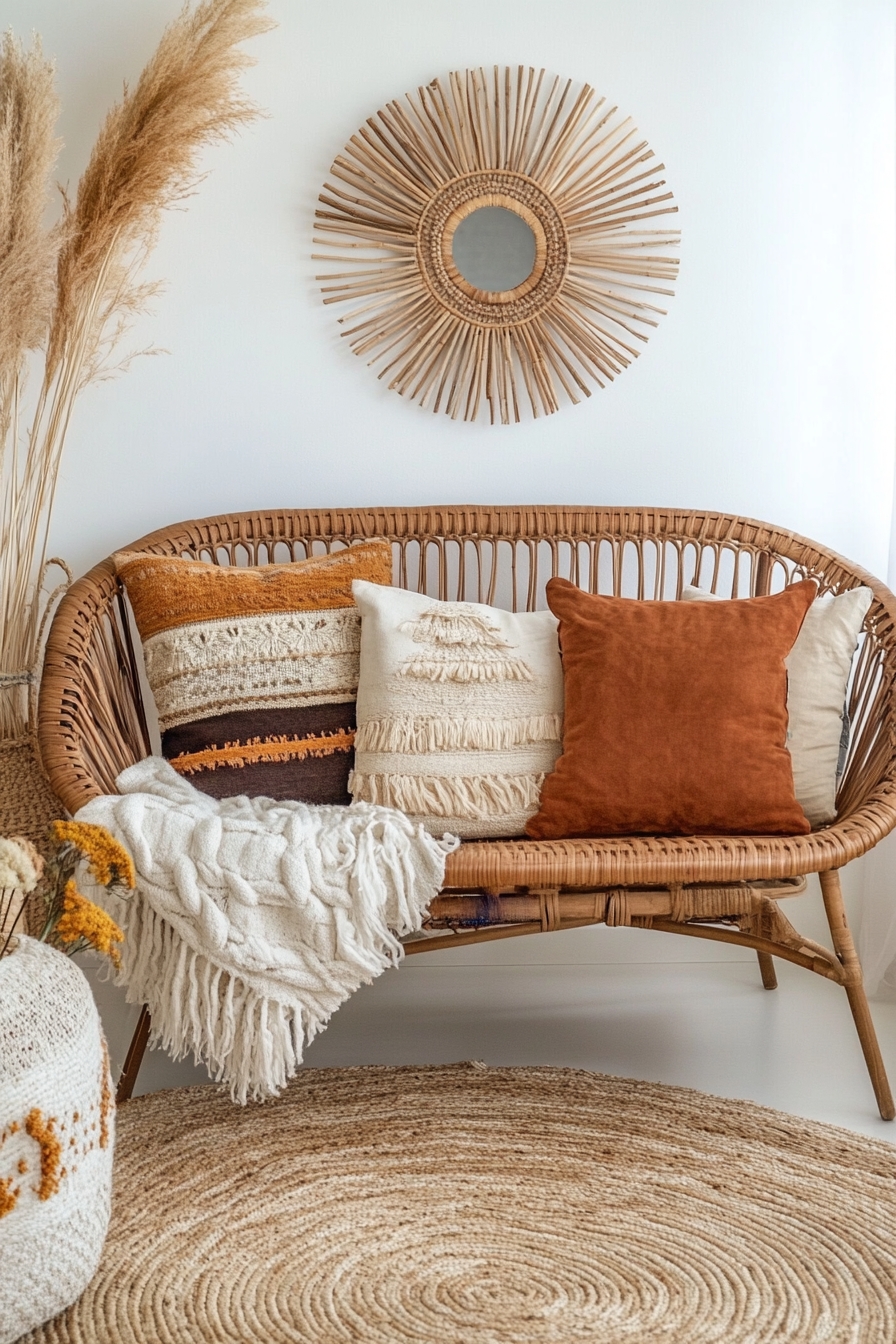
(134, 1058)
(855, 990)
(767, 970)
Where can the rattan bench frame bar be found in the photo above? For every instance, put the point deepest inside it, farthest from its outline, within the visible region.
(92, 722)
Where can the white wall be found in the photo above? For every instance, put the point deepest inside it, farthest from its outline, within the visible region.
(767, 391)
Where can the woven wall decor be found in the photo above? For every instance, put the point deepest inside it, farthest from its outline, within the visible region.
(573, 168)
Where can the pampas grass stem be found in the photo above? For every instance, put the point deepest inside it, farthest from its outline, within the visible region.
(71, 291)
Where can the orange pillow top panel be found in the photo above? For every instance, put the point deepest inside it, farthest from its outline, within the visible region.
(675, 717)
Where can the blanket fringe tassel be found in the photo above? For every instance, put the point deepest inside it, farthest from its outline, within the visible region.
(198, 1009)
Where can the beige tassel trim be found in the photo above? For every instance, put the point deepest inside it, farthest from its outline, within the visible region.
(437, 626)
(423, 734)
(466, 669)
(474, 796)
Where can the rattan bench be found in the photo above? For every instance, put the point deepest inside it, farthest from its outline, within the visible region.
(92, 722)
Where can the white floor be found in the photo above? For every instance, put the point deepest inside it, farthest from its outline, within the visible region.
(619, 1001)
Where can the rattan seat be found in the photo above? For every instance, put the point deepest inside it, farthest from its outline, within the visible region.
(92, 722)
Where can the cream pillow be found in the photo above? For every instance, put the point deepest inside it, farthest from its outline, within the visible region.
(460, 711)
(818, 668)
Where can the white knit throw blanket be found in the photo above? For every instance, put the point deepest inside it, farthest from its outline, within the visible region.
(254, 920)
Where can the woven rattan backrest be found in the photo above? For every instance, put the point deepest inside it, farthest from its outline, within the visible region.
(504, 556)
(91, 716)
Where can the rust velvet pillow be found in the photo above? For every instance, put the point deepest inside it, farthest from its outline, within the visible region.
(675, 717)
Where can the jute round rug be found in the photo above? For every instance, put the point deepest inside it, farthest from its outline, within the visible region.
(472, 1205)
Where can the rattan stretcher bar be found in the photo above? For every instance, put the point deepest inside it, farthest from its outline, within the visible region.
(93, 723)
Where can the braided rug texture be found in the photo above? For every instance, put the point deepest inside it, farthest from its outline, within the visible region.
(470, 1205)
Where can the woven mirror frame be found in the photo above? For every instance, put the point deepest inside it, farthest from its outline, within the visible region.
(571, 168)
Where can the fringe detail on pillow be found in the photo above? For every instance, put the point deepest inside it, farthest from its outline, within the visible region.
(256, 751)
(423, 734)
(436, 625)
(253, 1042)
(466, 669)
(473, 796)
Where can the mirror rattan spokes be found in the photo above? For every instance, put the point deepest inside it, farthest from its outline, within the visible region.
(572, 168)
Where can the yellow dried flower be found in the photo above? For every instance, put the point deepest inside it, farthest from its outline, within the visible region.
(108, 860)
(82, 920)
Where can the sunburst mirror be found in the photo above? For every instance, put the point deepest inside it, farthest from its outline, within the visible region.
(495, 236)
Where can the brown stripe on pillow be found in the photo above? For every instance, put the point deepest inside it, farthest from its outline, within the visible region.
(312, 780)
(254, 670)
(294, 753)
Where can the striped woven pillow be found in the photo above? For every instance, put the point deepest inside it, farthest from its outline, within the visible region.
(254, 671)
(460, 711)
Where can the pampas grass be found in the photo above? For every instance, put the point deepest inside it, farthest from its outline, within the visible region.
(71, 291)
(28, 113)
(28, 254)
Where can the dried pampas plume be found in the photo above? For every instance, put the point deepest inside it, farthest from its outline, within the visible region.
(28, 148)
(71, 290)
(144, 161)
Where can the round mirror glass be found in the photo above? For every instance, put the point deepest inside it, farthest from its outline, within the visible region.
(494, 249)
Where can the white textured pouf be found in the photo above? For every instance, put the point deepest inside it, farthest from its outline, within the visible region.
(56, 1136)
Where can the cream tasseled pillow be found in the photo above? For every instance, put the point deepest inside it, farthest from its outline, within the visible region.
(460, 711)
(818, 668)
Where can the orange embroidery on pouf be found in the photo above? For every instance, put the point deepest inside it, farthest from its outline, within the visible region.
(8, 1196)
(240, 754)
(44, 1134)
(23, 1167)
(107, 1101)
